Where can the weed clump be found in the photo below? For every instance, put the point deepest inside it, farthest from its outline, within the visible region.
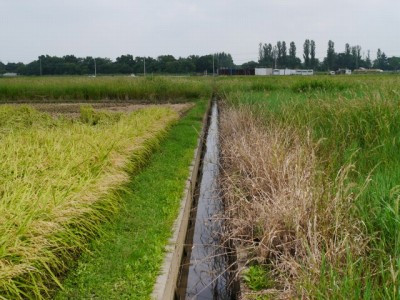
(281, 206)
(93, 117)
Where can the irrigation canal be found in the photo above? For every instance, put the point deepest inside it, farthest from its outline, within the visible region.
(205, 268)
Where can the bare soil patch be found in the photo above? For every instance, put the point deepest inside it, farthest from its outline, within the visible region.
(71, 110)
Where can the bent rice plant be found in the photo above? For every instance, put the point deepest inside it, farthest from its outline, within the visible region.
(58, 181)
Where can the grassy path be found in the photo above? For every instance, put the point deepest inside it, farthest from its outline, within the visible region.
(125, 260)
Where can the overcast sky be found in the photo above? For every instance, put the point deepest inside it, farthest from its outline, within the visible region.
(103, 28)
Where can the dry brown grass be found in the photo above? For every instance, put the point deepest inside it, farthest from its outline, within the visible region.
(280, 208)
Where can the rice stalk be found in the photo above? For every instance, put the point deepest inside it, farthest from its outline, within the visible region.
(59, 181)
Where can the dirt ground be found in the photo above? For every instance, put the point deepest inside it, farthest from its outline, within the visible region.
(72, 109)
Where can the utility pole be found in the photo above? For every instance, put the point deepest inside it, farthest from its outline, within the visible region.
(95, 67)
(144, 66)
(40, 66)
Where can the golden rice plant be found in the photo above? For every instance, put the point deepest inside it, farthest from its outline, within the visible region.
(58, 181)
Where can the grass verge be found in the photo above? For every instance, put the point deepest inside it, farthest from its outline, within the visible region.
(124, 262)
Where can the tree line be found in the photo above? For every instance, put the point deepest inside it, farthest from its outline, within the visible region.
(124, 64)
(279, 56)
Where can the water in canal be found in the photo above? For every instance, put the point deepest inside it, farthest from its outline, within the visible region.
(205, 271)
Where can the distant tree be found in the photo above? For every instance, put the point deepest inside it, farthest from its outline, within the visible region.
(87, 63)
(124, 64)
(260, 53)
(71, 59)
(186, 66)
(381, 61)
(378, 54)
(278, 54)
(282, 59)
(313, 60)
(292, 50)
(18, 68)
(2, 68)
(330, 56)
(368, 62)
(152, 65)
(223, 60)
(347, 49)
(356, 57)
(293, 60)
(306, 53)
(180, 66)
(33, 68)
(204, 63)
(317, 65)
(162, 62)
(394, 63)
(249, 65)
(347, 60)
(266, 58)
(384, 63)
(275, 54)
(193, 59)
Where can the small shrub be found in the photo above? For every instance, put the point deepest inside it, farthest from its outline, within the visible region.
(257, 278)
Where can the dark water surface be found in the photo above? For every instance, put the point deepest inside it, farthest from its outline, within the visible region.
(205, 275)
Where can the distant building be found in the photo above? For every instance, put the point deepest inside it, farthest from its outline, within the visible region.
(367, 71)
(263, 71)
(10, 74)
(304, 72)
(282, 72)
(343, 72)
(234, 71)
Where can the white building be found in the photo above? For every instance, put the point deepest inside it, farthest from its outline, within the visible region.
(305, 72)
(263, 71)
(281, 72)
(343, 71)
(9, 74)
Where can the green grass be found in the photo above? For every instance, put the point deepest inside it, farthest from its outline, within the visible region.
(257, 278)
(125, 260)
(144, 89)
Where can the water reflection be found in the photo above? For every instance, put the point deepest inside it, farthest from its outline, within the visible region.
(208, 266)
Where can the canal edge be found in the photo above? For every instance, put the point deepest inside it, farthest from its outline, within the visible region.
(165, 286)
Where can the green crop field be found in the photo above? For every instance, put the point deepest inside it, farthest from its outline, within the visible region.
(71, 89)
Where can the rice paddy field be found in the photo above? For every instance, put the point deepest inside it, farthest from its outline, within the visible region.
(90, 183)
(151, 89)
